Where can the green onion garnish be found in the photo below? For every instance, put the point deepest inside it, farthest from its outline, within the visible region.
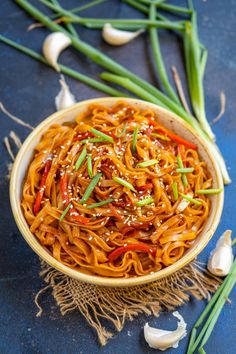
(185, 170)
(102, 135)
(124, 183)
(192, 200)
(147, 163)
(160, 136)
(134, 140)
(93, 140)
(145, 201)
(96, 205)
(65, 212)
(91, 187)
(81, 159)
(89, 166)
(123, 130)
(209, 191)
(175, 190)
(181, 165)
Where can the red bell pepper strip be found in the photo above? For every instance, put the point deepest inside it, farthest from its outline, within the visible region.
(65, 197)
(42, 186)
(145, 187)
(132, 247)
(178, 139)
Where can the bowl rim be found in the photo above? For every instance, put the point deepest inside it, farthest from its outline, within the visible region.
(93, 279)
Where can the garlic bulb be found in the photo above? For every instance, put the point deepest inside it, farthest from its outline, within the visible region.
(53, 45)
(162, 339)
(221, 258)
(117, 37)
(64, 98)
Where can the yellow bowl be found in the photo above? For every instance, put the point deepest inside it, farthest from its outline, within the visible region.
(172, 122)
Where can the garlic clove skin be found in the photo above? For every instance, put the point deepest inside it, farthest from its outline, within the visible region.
(162, 339)
(221, 258)
(117, 37)
(53, 45)
(65, 98)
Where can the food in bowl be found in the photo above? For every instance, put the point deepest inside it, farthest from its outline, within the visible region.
(115, 193)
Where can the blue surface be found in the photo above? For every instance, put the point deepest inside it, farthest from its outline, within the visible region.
(28, 88)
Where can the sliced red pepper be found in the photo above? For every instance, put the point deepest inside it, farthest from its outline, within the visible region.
(42, 186)
(173, 136)
(144, 187)
(132, 247)
(65, 197)
(110, 134)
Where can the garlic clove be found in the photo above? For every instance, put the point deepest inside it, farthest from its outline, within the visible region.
(53, 45)
(221, 258)
(117, 37)
(64, 98)
(183, 203)
(162, 339)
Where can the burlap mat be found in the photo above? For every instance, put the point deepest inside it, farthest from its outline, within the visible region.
(117, 305)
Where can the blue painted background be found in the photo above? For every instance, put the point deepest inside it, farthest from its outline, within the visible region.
(28, 88)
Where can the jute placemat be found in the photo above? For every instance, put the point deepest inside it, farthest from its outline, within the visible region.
(117, 305)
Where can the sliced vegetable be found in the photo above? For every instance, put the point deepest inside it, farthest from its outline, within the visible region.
(181, 165)
(124, 183)
(175, 191)
(91, 187)
(123, 130)
(132, 247)
(65, 212)
(160, 136)
(146, 201)
(147, 163)
(103, 202)
(81, 159)
(102, 135)
(42, 186)
(209, 191)
(134, 139)
(93, 140)
(185, 170)
(89, 166)
(192, 200)
(144, 187)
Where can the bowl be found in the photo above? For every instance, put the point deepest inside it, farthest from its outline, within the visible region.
(172, 122)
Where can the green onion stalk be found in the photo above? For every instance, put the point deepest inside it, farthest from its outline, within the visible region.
(144, 9)
(167, 7)
(84, 7)
(69, 26)
(106, 62)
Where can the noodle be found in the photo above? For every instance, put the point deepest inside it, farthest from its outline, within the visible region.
(119, 217)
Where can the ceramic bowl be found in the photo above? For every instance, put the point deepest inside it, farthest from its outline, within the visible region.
(172, 122)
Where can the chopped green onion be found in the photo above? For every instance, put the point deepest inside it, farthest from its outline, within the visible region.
(209, 191)
(192, 200)
(93, 140)
(89, 166)
(96, 205)
(181, 165)
(147, 163)
(185, 170)
(160, 136)
(134, 140)
(91, 187)
(65, 212)
(81, 159)
(146, 201)
(123, 130)
(102, 135)
(124, 183)
(175, 190)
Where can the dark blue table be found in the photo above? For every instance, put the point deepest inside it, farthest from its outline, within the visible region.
(28, 89)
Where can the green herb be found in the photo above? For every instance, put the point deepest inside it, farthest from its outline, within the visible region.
(214, 307)
(144, 9)
(69, 26)
(160, 136)
(146, 201)
(147, 163)
(175, 191)
(192, 200)
(185, 170)
(93, 140)
(134, 139)
(174, 8)
(84, 7)
(65, 212)
(123, 130)
(209, 191)
(102, 135)
(124, 183)
(96, 205)
(91, 187)
(81, 158)
(89, 166)
(181, 165)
